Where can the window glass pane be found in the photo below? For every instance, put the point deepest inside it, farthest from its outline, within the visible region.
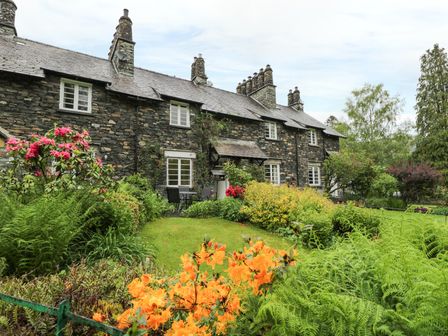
(174, 115)
(185, 172)
(267, 172)
(173, 172)
(275, 174)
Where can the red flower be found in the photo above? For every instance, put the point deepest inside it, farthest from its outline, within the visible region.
(235, 191)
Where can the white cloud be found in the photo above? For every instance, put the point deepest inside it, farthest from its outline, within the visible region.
(326, 47)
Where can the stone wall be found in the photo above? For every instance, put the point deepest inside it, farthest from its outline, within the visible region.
(122, 127)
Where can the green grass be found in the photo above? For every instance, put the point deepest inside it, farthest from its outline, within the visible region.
(173, 236)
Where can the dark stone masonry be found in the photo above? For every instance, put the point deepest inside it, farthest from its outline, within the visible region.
(126, 109)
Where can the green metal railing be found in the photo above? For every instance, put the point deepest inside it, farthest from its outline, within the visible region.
(63, 315)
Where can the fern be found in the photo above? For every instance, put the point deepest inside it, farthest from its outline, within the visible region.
(395, 285)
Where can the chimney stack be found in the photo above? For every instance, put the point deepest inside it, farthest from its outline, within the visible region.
(121, 52)
(294, 100)
(7, 18)
(260, 87)
(198, 75)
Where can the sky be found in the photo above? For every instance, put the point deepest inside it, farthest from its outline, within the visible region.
(326, 48)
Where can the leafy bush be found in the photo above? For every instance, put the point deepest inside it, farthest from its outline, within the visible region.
(273, 207)
(152, 204)
(62, 159)
(384, 185)
(440, 211)
(111, 213)
(361, 287)
(416, 181)
(392, 203)
(315, 229)
(349, 218)
(204, 209)
(230, 210)
(237, 176)
(102, 285)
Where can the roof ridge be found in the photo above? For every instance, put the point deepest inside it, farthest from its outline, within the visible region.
(60, 48)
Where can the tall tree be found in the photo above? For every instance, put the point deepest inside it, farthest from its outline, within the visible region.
(432, 109)
(372, 125)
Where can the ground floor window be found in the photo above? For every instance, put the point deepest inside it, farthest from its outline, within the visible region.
(314, 175)
(179, 172)
(272, 173)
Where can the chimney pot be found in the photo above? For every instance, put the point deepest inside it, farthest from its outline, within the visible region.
(126, 12)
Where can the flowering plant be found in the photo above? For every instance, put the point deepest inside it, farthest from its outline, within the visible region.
(59, 159)
(235, 191)
(195, 303)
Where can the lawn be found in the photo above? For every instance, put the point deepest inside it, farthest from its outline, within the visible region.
(174, 236)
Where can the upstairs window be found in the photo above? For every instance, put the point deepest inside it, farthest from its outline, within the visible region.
(312, 137)
(314, 175)
(272, 173)
(271, 130)
(179, 114)
(75, 96)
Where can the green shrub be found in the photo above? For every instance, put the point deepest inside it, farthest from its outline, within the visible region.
(154, 205)
(384, 185)
(440, 211)
(237, 176)
(349, 218)
(8, 208)
(89, 288)
(111, 212)
(391, 203)
(204, 209)
(315, 230)
(230, 209)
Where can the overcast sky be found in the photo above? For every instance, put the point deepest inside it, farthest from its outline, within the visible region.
(326, 48)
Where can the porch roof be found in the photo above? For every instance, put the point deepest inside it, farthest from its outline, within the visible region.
(239, 148)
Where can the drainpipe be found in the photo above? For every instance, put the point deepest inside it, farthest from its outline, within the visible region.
(135, 140)
(297, 157)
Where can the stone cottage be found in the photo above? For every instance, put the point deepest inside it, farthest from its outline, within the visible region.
(129, 109)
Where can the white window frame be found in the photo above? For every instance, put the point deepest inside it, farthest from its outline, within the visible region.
(271, 130)
(179, 107)
(314, 175)
(76, 96)
(312, 137)
(272, 176)
(179, 172)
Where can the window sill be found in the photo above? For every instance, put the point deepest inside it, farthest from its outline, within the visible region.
(76, 112)
(277, 140)
(179, 126)
(315, 185)
(313, 145)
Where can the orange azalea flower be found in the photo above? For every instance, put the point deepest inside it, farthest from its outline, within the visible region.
(136, 288)
(124, 319)
(217, 259)
(99, 317)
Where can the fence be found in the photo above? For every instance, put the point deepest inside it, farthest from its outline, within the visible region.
(63, 315)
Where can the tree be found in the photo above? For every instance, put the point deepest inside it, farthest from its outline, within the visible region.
(372, 126)
(349, 170)
(416, 181)
(432, 109)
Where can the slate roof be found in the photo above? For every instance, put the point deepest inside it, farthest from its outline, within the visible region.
(239, 148)
(23, 56)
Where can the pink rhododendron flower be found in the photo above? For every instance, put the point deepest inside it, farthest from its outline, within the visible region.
(62, 131)
(38, 173)
(33, 151)
(99, 162)
(46, 141)
(65, 155)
